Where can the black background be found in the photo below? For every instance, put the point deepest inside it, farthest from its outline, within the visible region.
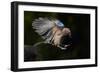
(80, 28)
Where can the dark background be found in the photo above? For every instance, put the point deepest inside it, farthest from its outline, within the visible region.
(79, 25)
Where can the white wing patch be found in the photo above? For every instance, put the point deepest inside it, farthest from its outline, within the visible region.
(42, 26)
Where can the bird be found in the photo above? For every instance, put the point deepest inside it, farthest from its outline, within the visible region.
(52, 31)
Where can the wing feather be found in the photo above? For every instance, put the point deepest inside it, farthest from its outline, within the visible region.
(43, 26)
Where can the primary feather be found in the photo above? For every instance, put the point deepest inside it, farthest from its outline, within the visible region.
(43, 26)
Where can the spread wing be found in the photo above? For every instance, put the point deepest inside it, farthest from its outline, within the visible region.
(43, 26)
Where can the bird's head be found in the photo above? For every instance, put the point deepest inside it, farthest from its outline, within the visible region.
(61, 37)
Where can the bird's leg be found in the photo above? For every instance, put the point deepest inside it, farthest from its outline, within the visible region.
(63, 48)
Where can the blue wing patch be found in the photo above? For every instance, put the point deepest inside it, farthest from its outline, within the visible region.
(59, 23)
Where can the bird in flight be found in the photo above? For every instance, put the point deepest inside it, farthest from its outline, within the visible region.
(52, 32)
